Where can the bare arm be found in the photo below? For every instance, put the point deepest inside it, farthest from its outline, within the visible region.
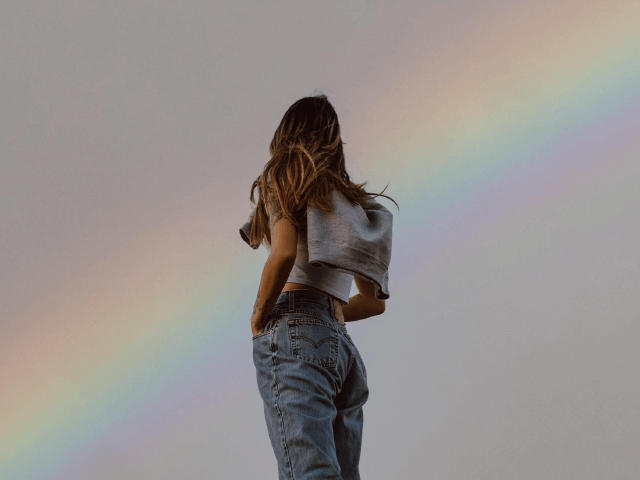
(364, 304)
(274, 276)
(284, 238)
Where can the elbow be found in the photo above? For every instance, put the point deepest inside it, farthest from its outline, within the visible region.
(283, 259)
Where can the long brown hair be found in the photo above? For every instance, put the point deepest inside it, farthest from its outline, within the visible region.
(307, 163)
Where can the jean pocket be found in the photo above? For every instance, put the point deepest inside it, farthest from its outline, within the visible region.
(313, 340)
(269, 327)
(255, 337)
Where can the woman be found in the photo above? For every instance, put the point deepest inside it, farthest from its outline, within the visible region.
(310, 375)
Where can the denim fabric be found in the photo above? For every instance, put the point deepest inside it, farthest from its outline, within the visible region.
(313, 384)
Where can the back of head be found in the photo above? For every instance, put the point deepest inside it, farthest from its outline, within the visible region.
(307, 163)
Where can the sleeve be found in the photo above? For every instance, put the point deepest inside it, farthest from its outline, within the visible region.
(245, 230)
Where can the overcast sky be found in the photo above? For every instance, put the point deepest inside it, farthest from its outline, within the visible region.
(131, 134)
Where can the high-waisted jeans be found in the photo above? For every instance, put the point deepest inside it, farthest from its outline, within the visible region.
(313, 384)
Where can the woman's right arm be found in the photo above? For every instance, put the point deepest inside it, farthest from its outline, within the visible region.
(364, 304)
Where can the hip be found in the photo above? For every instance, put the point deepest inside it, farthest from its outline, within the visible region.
(302, 330)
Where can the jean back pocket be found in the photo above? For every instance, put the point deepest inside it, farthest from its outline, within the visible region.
(313, 340)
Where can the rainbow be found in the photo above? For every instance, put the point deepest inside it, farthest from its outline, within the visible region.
(512, 116)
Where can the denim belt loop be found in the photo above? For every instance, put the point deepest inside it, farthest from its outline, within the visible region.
(291, 301)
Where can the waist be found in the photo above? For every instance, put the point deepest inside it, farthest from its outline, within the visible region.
(293, 293)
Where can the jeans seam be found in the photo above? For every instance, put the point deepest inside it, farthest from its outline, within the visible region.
(284, 437)
(353, 357)
(313, 321)
(307, 312)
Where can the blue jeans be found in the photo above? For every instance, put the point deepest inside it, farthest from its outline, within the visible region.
(313, 384)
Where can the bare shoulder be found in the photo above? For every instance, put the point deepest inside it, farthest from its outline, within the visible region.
(284, 234)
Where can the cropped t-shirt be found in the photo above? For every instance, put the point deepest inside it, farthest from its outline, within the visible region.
(334, 282)
(352, 239)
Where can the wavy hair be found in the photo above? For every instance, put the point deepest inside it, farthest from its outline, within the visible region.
(307, 163)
